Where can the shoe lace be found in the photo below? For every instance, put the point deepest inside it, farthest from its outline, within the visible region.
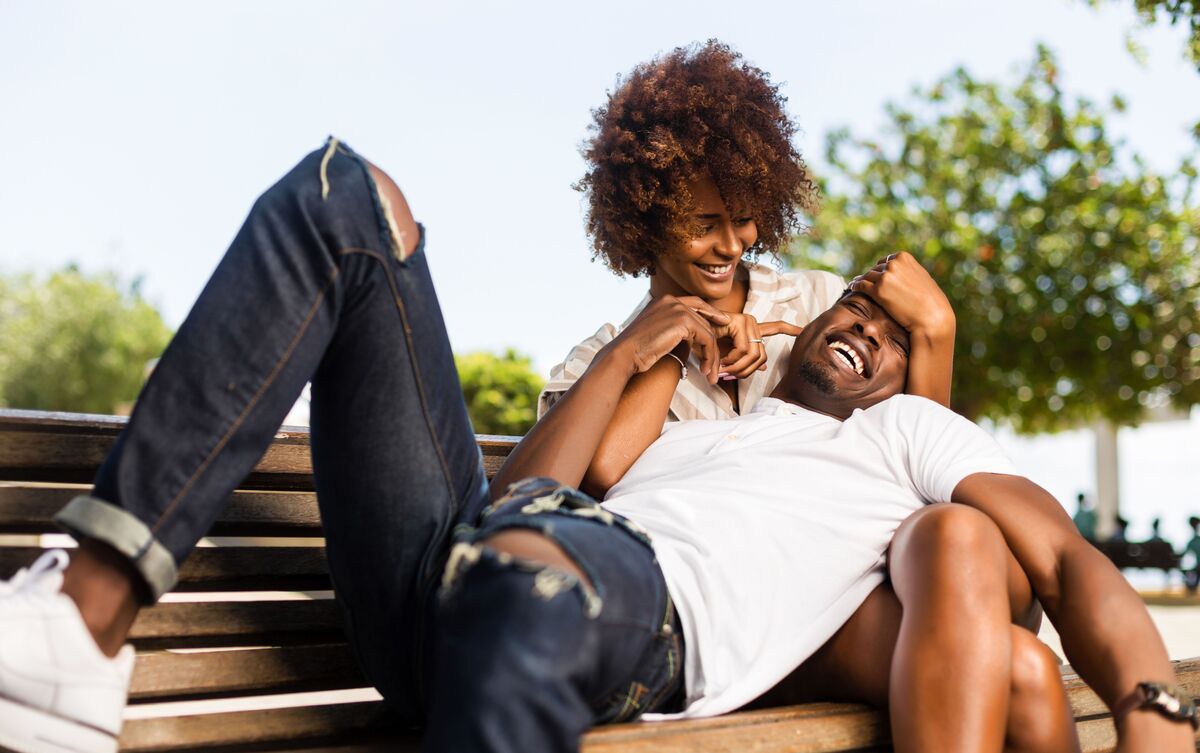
(53, 561)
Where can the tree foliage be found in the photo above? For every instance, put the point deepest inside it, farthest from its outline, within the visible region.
(75, 342)
(1072, 267)
(501, 391)
(1175, 11)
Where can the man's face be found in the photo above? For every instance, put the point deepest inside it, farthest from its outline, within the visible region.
(852, 356)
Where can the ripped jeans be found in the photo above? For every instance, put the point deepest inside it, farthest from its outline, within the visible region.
(539, 654)
(318, 285)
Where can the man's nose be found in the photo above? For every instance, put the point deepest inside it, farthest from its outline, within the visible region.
(869, 331)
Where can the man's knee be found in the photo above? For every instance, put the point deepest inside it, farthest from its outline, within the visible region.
(405, 233)
(951, 534)
(1034, 666)
(532, 546)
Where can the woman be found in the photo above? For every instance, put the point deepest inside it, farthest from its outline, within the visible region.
(692, 174)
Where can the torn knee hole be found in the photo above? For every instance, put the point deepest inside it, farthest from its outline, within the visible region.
(533, 547)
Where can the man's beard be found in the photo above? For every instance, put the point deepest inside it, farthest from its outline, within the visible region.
(819, 375)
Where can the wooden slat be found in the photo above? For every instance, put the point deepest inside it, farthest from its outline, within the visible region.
(163, 674)
(27, 507)
(69, 447)
(284, 568)
(812, 728)
(250, 727)
(235, 622)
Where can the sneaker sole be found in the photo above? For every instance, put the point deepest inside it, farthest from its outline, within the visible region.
(28, 730)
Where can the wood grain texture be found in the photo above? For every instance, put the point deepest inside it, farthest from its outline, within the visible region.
(69, 447)
(28, 507)
(236, 623)
(246, 727)
(237, 568)
(168, 674)
(812, 728)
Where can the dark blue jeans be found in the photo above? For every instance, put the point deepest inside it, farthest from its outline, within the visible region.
(317, 286)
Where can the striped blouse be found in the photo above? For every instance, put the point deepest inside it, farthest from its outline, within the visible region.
(793, 297)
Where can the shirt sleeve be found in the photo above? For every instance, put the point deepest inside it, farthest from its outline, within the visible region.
(564, 375)
(941, 448)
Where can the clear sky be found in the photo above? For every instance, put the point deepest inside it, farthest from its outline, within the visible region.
(136, 134)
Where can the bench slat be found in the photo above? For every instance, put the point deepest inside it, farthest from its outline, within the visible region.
(167, 674)
(282, 568)
(812, 728)
(237, 622)
(246, 727)
(27, 507)
(69, 447)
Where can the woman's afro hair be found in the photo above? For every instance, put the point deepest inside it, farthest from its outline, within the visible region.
(697, 112)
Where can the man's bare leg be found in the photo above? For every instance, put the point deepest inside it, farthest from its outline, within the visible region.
(856, 663)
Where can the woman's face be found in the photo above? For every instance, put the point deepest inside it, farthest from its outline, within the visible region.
(706, 263)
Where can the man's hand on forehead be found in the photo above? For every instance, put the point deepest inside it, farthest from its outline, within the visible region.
(907, 293)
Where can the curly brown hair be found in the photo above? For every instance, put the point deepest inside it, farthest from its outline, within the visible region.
(698, 111)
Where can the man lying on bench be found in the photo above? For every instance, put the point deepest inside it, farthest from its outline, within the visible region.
(515, 627)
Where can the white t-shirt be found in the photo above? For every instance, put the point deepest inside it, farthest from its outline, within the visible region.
(772, 528)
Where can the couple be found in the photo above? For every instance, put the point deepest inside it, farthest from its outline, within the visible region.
(730, 553)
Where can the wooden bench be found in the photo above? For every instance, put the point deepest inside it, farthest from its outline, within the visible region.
(248, 652)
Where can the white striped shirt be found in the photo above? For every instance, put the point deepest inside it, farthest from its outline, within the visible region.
(793, 297)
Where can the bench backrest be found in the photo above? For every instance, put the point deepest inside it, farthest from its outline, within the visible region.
(259, 582)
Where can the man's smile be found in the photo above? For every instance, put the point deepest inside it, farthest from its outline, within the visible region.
(850, 354)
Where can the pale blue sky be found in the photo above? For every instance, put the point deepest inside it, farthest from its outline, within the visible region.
(136, 134)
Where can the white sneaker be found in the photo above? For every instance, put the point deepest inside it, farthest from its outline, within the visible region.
(58, 692)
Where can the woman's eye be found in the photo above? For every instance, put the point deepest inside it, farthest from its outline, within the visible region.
(899, 346)
(744, 220)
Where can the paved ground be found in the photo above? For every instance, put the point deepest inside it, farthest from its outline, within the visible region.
(1179, 626)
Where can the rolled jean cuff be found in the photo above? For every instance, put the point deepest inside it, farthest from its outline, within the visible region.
(88, 517)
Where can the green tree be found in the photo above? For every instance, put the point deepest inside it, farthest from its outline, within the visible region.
(1175, 11)
(75, 342)
(1072, 267)
(501, 391)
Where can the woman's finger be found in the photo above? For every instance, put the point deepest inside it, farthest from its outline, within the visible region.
(767, 329)
(756, 339)
(738, 333)
(705, 309)
(703, 342)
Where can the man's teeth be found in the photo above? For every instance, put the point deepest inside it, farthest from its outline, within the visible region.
(716, 269)
(848, 353)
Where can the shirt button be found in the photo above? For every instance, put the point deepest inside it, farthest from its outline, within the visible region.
(732, 436)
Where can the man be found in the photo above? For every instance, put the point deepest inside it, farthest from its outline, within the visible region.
(542, 615)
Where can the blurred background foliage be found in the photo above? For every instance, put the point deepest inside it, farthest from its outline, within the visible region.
(501, 391)
(1181, 12)
(1071, 265)
(82, 343)
(75, 342)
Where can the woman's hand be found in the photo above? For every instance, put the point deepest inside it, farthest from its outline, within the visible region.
(905, 290)
(665, 323)
(747, 353)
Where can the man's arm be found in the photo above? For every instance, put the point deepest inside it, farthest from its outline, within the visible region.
(563, 443)
(911, 296)
(1106, 632)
